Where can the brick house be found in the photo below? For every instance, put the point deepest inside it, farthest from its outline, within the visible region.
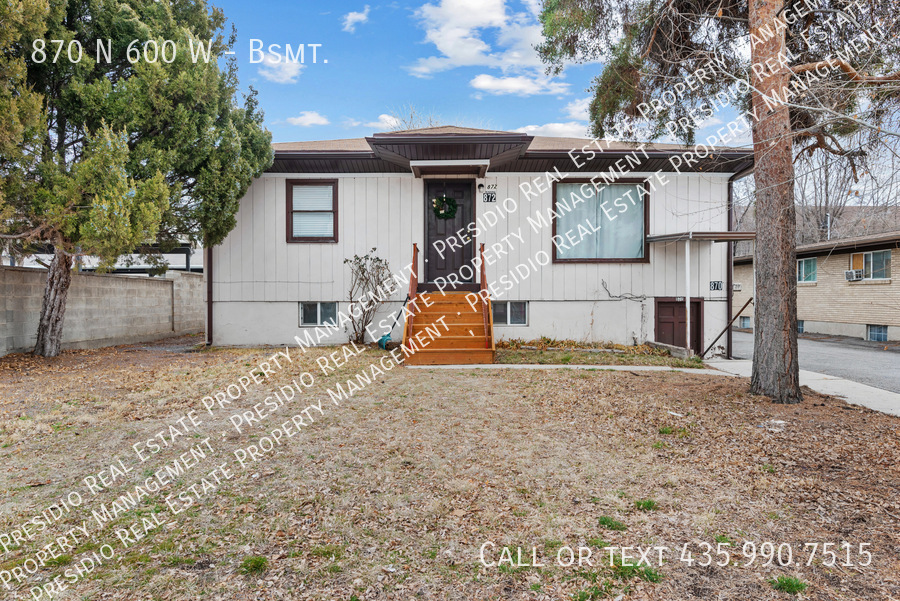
(844, 287)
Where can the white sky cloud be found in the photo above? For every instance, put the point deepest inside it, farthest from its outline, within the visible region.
(570, 129)
(520, 85)
(455, 27)
(385, 122)
(308, 118)
(518, 40)
(352, 19)
(578, 109)
(275, 69)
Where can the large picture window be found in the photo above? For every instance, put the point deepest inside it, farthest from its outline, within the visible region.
(605, 225)
(312, 210)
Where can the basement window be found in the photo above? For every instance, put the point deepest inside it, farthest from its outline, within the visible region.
(745, 323)
(800, 326)
(877, 333)
(318, 314)
(510, 313)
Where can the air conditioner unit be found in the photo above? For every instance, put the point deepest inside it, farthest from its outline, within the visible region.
(853, 275)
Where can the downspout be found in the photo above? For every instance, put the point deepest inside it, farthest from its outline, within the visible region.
(208, 270)
(729, 270)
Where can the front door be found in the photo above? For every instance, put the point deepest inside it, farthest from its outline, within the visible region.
(671, 326)
(445, 253)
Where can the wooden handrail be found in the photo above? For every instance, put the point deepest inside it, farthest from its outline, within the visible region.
(485, 303)
(414, 273)
(413, 291)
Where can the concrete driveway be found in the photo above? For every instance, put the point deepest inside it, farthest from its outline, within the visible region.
(848, 358)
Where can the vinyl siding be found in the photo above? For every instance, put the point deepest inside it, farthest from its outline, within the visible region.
(255, 264)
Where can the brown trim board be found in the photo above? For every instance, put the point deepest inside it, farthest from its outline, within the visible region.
(644, 259)
(288, 206)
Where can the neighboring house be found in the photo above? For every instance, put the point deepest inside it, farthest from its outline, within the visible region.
(611, 267)
(181, 258)
(844, 287)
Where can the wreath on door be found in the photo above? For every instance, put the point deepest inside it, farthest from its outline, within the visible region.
(444, 207)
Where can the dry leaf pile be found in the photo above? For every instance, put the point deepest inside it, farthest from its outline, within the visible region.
(392, 494)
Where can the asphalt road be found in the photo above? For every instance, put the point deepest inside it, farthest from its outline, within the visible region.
(849, 358)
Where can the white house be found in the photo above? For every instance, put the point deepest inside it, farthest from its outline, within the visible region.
(565, 238)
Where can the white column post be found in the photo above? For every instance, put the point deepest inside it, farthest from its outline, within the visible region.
(687, 291)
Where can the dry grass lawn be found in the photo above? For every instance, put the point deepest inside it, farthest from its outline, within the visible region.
(392, 494)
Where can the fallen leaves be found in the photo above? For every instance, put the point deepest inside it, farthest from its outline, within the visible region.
(391, 496)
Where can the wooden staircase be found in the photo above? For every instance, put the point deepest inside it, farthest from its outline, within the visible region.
(445, 328)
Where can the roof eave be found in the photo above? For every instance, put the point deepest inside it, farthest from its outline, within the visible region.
(328, 154)
(448, 138)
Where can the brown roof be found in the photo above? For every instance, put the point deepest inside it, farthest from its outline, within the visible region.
(538, 144)
(391, 152)
(843, 244)
(345, 145)
(851, 243)
(547, 144)
(445, 130)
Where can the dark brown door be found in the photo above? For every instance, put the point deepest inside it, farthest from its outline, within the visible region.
(670, 322)
(448, 255)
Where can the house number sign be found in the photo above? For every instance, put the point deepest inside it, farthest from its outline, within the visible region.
(490, 193)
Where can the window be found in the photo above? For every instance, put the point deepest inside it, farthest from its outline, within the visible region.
(318, 314)
(800, 326)
(806, 270)
(875, 265)
(876, 333)
(311, 210)
(512, 313)
(745, 322)
(600, 224)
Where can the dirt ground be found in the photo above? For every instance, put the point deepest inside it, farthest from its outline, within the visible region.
(393, 493)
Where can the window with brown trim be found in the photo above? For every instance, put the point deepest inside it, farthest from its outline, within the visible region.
(601, 223)
(312, 210)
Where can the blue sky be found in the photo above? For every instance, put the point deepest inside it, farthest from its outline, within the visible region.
(469, 62)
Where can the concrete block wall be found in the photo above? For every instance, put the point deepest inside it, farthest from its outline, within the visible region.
(101, 310)
(189, 301)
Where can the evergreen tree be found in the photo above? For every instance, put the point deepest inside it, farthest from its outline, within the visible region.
(143, 138)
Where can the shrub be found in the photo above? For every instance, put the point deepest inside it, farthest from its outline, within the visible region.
(369, 279)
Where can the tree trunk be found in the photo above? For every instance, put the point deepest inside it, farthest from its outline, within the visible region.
(776, 371)
(53, 309)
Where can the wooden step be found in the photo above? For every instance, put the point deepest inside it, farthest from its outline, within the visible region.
(431, 319)
(452, 329)
(462, 307)
(451, 357)
(456, 342)
(455, 312)
(437, 297)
